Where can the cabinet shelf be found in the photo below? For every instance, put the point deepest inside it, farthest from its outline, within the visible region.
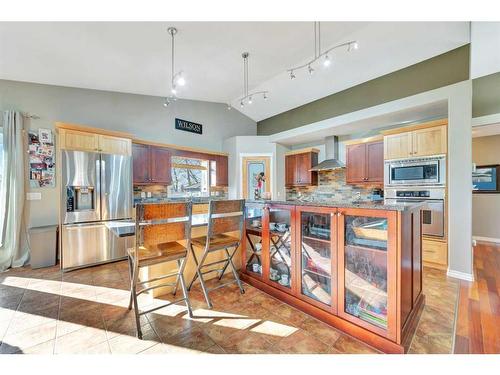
(312, 238)
(316, 273)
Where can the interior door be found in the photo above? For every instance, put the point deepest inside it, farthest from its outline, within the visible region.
(116, 187)
(251, 168)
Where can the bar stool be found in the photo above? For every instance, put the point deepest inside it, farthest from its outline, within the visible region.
(223, 217)
(158, 228)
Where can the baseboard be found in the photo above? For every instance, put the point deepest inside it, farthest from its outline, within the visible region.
(486, 239)
(460, 275)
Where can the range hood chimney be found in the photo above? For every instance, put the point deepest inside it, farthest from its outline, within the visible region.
(332, 156)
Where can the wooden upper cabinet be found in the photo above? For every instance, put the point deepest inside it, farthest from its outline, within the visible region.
(375, 162)
(141, 162)
(365, 163)
(297, 169)
(397, 146)
(356, 163)
(115, 145)
(430, 141)
(92, 142)
(422, 141)
(221, 168)
(161, 171)
(290, 163)
(77, 140)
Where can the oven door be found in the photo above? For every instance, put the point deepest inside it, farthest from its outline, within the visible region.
(424, 173)
(432, 216)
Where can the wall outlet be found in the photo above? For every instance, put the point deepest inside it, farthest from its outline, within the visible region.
(33, 196)
(143, 194)
(149, 194)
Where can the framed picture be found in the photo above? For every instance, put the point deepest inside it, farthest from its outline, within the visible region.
(485, 179)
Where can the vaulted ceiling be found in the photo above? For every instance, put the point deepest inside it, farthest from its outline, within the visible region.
(134, 57)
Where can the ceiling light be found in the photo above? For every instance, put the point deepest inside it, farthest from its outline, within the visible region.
(318, 53)
(181, 81)
(248, 96)
(327, 61)
(229, 107)
(176, 79)
(166, 103)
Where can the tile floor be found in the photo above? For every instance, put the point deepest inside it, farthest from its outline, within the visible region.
(48, 312)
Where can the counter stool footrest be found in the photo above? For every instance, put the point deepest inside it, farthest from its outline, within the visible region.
(158, 278)
(154, 287)
(222, 285)
(212, 263)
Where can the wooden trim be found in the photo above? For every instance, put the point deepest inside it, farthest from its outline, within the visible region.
(89, 129)
(302, 151)
(244, 172)
(181, 148)
(375, 138)
(189, 166)
(413, 127)
(369, 338)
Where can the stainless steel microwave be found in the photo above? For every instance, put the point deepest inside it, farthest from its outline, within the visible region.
(416, 172)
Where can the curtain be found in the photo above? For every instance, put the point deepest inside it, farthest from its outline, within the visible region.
(14, 248)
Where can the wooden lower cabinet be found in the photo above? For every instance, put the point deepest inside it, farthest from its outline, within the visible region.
(359, 270)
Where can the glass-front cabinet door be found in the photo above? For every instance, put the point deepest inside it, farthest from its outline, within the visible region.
(367, 269)
(317, 269)
(252, 255)
(279, 239)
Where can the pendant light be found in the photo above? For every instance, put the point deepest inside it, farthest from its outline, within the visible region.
(248, 97)
(177, 78)
(318, 54)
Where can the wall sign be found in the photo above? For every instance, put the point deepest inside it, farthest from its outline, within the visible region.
(188, 126)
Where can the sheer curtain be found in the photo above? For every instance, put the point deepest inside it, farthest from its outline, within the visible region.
(14, 248)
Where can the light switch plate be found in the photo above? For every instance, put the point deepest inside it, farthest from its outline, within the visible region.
(33, 196)
(143, 194)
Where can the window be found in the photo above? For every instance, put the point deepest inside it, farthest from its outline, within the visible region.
(190, 177)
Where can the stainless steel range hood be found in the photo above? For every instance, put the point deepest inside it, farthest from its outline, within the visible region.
(332, 156)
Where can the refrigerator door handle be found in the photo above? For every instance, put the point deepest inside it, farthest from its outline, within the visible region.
(98, 186)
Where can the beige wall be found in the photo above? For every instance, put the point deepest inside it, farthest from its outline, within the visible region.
(486, 207)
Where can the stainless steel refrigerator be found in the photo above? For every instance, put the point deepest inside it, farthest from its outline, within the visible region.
(97, 189)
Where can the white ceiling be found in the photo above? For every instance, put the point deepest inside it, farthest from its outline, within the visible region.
(134, 57)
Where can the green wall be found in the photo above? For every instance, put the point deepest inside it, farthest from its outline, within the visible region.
(486, 95)
(443, 70)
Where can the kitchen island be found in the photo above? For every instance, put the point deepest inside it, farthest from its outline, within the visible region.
(354, 265)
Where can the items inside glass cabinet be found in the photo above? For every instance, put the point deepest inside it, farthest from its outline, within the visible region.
(253, 225)
(280, 246)
(366, 269)
(316, 263)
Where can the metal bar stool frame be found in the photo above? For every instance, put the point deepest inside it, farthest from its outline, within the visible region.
(213, 216)
(134, 260)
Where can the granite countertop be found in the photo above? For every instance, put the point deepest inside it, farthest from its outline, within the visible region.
(126, 228)
(371, 205)
(195, 200)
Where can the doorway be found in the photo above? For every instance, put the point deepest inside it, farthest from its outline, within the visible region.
(252, 167)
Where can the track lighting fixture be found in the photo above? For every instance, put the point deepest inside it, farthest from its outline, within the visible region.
(248, 97)
(318, 53)
(176, 79)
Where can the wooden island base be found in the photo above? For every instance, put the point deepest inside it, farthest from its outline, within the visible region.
(357, 269)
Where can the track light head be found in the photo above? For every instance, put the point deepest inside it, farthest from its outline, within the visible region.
(327, 61)
(166, 103)
(242, 104)
(353, 46)
(265, 96)
(310, 69)
(292, 75)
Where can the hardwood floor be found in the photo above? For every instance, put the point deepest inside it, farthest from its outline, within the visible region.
(478, 318)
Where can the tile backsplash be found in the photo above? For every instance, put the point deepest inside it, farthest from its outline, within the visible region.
(161, 191)
(331, 185)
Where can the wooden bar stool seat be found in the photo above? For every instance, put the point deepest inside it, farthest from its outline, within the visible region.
(223, 217)
(159, 230)
(217, 242)
(163, 252)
